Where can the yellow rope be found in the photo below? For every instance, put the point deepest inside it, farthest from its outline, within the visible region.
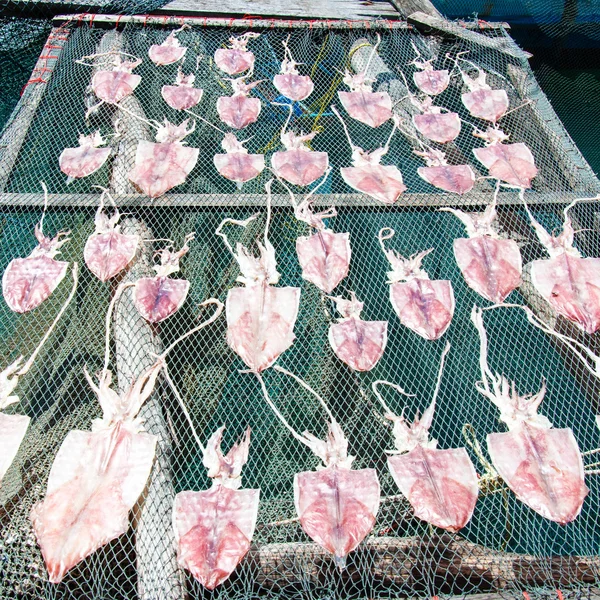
(363, 45)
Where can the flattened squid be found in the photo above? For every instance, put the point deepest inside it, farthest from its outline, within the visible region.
(161, 166)
(337, 505)
(289, 82)
(158, 297)
(85, 160)
(236, 164)
(435, 124)
(214, 527)
(183, 95)
(568, 282)
(361, 102)
(441, 485)
(27, 282)
(236, 59)
(429, 80)
(458, 179)
(481, 100)
(14, 426)
(357, 343)
(108, 251)
(511, 163)
(424, 306)
(381, 182)
(490, 264)
(324, 256)
(98, 476)
(169, 52)
(111, 86)
(298, 164)
(239, 111)
(541, 465)
(260, 317)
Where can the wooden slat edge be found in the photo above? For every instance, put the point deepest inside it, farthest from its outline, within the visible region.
(428, 23)
(407, 200)
(201, 21)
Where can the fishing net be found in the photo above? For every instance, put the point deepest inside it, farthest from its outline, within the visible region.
(564, 38)
(506, 547)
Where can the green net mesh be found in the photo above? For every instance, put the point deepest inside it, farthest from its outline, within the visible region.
(506, 547)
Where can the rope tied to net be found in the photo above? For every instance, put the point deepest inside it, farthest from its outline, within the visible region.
(490, 478)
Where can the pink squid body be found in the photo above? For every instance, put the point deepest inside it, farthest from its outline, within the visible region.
(27, 282)
(113, 86)
(237, 165)
(441, 485)
(12, 432)
(213, 530)
(544, 469)
(571, 285)
(84, 160)
(94, 482)
(107, 254)
(492, 267)
(486, 104)
(167, 53)
(431, 82)
(159, 167)
(359, 344)
(324, 258)
(260, 322)
(157, 298)
(181, 97)
(299, 166)
(238, 111)
(292, 86)
(382, 182)
(511, 163)
(370, 108)
(458, 179)
(337, 507)
(438, 127)
(424, 306)
(234, 62)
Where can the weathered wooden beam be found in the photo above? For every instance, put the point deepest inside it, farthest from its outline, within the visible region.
(244, 23)
(15, 132)
(136, 346)
(307, 9)
(406, 200)
(428, 23)
(408, 7)
(408, 562)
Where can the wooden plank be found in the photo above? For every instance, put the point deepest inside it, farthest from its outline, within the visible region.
(18, 125)
(427, 24)
(406, 200)
(166, 21)
(307, 9)
(408, 7)
(574, 166)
